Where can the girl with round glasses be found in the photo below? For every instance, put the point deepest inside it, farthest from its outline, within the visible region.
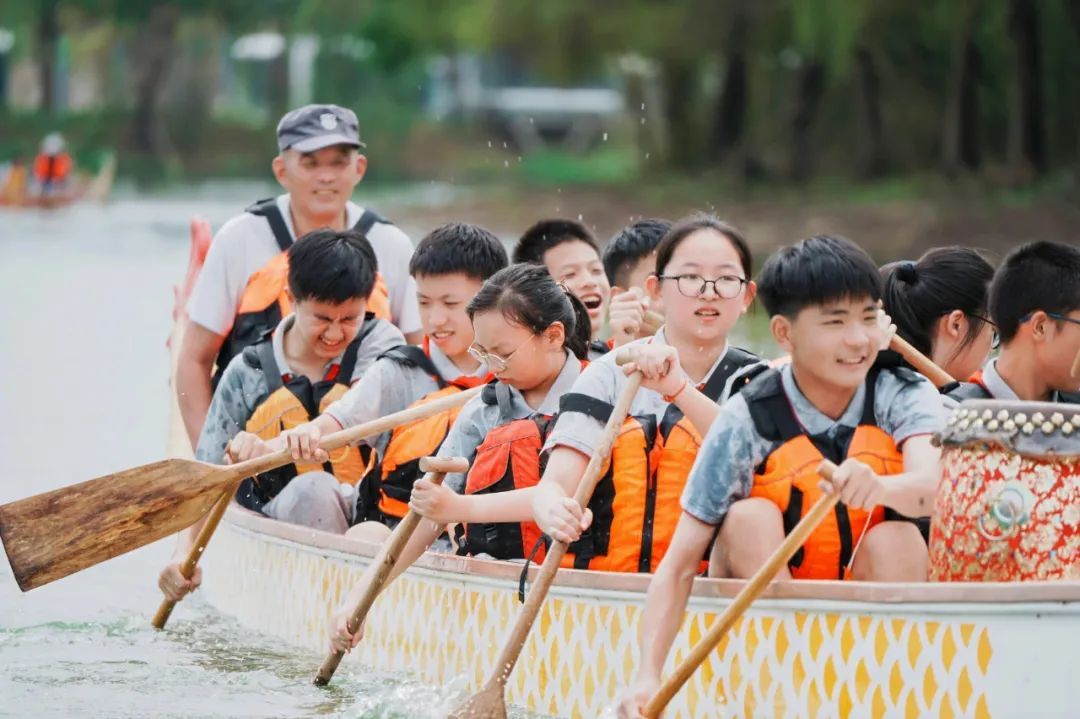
(702, 276)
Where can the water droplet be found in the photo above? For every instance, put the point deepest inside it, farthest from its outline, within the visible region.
(643, 106)
(643, 121)
(489, 143)
(504, 145)
(579, 217)
(605, 137)
(646, 156)
(506, 163)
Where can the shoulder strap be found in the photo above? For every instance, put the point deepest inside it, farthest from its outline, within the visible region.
(413, 356)
(367, 220)
(869, 415)
(348, 360)
(734, 360)
(269, 209)
(496, 393)
(268, 365)
(600, 348)
(772, 414)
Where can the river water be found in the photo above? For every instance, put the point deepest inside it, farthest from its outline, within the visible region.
(85, 314)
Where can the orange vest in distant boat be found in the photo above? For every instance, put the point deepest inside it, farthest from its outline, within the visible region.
(636, 504)
(52, 169)
(388, 480)
(264, 302)
(293, 401)
(788, 477)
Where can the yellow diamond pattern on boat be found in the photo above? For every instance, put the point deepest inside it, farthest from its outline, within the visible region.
(583, 650)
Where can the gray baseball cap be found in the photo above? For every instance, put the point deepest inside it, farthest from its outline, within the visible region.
(313, 127)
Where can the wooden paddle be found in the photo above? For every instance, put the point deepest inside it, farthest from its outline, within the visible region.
(436, 468)
(753, 589)
(490, 702)
(54, 534)
(922, 364)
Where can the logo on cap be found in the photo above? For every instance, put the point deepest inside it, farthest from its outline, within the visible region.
(328, 120)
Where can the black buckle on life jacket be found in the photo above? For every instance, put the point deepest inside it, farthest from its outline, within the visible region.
(523, 579)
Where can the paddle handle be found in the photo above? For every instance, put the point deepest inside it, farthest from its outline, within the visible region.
(339, 439)
(753, 589)
(654, 318)
(436, 470)
(258, 465)
(538, 592)
(922, 364)
(187, 569)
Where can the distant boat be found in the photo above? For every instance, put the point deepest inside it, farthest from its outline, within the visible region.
(91, 189)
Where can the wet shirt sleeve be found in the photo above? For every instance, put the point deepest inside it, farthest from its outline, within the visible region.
(463, 439)
(240, 391)
(908, 405)
(601, 380)
(723, 472)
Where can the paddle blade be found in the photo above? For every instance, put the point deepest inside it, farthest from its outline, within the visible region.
(488, 703)
(54, 534)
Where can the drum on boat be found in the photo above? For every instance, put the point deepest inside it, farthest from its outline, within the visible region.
(1008, 508)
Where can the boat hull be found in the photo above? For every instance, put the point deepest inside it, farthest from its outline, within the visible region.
(808, 649)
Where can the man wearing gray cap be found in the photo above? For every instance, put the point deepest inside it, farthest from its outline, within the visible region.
(240, 294)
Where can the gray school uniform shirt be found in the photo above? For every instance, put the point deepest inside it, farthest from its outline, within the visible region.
(390, 386)
(243, 388)
(604, 380)
(905, 405)
(477, 418)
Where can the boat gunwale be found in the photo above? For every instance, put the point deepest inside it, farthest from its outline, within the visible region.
(490, 572)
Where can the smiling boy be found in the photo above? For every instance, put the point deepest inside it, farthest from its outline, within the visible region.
(756, 473)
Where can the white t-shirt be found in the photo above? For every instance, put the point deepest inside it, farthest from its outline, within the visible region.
(245, 243)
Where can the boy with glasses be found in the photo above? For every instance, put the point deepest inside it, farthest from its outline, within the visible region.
(1035, 308)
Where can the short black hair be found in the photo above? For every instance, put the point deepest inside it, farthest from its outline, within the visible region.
(1036, 276)
(546, 234)
(459, 247)
(630, 245)
(918, 294)
(814, 272)
(331, 266)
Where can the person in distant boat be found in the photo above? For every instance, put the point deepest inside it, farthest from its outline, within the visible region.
(572, 257)
(449, 267)
(629, 259)
(1035, 304)
(533, 334)
(309, 361)
(756, 473)
(15, 184)
(939, 305)
(239, 294)
(53, 169)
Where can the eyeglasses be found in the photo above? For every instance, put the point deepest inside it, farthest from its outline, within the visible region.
(494, 362)
(725, 286)
(995, 338)
(1063, 318)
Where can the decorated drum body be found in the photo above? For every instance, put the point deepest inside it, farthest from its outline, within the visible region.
(1008, 508)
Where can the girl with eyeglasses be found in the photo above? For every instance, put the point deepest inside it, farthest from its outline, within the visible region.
(939, 305)
(533, 336)
(702, 276)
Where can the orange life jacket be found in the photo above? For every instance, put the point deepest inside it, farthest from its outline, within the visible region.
(52, 168)
(509, 458)
(636, 504)
(292, 401)
(264, 301)
(389, 478)
(788, 476)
